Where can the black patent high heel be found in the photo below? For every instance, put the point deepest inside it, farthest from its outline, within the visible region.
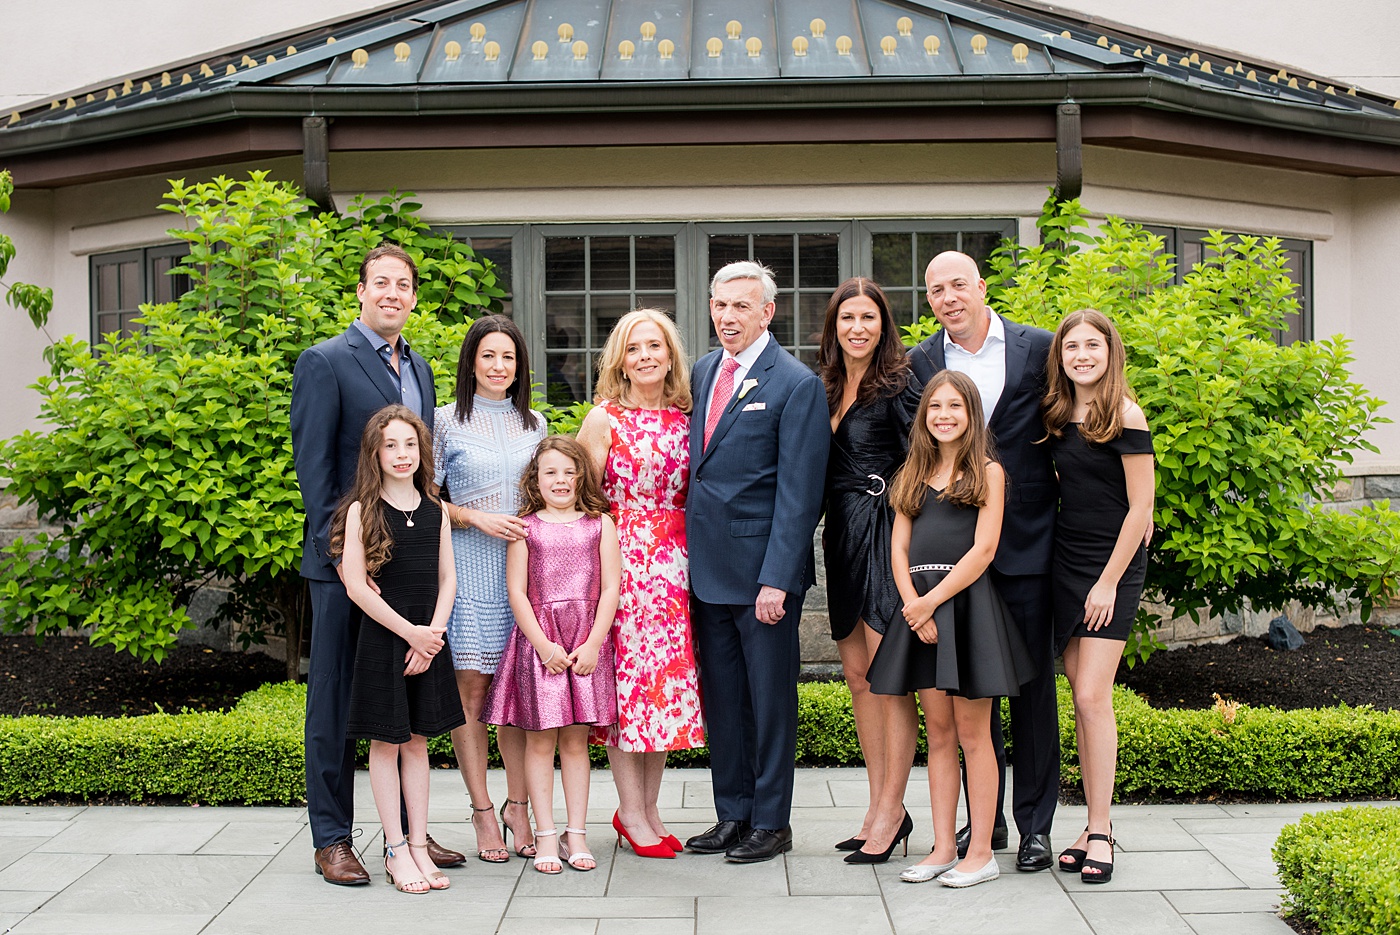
(1102, 869)
(906, 828)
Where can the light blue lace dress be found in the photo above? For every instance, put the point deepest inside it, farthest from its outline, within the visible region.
(480, 463)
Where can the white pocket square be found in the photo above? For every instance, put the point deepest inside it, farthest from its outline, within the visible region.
(754, 406)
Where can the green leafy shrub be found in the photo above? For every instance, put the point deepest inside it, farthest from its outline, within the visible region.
(251, 754)
(167, 459)
(1248, 434)
(37, 302)
(254, 752)
(1341, 870)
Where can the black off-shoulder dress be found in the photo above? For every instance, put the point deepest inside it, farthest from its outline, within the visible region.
(867, 448)
(1093, 505)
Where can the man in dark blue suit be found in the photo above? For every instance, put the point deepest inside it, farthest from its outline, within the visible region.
(1007, 362)
(759, 436)
(336, 386)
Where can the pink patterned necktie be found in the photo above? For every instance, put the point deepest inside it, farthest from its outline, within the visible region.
(724, 388)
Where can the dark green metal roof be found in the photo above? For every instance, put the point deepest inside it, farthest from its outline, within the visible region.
(463, 55)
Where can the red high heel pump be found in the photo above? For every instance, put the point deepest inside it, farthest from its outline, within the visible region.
(659, 849)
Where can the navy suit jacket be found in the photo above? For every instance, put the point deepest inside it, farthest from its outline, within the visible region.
(336, 386)
(1032, 493)
(756, 491)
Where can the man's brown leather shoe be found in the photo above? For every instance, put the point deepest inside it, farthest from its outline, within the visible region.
(442, 857)
(339, 865)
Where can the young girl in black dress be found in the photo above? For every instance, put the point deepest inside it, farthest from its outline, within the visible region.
(390, 530)
(1103, 454)
(959, 649)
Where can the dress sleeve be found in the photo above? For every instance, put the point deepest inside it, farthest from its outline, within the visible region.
(440, 420)
(1132, 442)
(904, 407)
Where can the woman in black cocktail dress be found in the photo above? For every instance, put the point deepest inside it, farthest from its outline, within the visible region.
(872, 397)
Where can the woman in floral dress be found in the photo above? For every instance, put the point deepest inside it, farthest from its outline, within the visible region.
(639, 437)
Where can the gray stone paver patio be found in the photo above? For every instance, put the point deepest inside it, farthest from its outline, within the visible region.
(1181, 870)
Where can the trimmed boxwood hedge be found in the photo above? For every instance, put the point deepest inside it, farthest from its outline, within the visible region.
(1341, 870)
(253, 753)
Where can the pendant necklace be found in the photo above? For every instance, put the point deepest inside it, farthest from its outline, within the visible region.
(407, 514)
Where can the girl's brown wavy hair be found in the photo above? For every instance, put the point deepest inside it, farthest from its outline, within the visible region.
(969, 454)
(1104, 421)
(369, 481)
(588, 492)
(888, 370)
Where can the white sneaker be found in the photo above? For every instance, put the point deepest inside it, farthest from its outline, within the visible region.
(922, 873)
(955, 878)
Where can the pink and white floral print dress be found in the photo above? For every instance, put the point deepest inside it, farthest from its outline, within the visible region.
(645, 480)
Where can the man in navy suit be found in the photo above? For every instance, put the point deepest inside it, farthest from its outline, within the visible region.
(1007, 362)
(758, 446)
(336, 386)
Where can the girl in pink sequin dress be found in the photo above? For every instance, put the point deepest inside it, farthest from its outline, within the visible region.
(556, 678)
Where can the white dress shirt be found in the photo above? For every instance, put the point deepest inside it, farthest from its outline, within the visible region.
(745, 359)
(987, 367)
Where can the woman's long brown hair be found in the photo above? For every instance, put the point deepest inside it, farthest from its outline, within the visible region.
(967, 485)
(1104, 421)
(888, 370)
(588, 492)
(369, 481)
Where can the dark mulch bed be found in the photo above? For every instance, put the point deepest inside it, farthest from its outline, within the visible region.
(68, 677)
(1356, 665)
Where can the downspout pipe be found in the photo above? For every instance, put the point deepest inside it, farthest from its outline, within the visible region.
(316, 162)
(1069, 153)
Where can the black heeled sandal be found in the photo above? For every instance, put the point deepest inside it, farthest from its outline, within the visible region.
(906, 828)
(1102, 869)
(1076, 857)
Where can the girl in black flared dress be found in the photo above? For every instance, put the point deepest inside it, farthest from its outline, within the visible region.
(871, 395)
(1103, 454)
(390, 530)
(958, 648)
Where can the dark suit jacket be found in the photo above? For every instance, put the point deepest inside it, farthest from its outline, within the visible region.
(756, 492)
(1032, 494)
(336, 386)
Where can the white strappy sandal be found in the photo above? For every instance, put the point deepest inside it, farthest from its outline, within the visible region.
(542, 861)
(572, 858)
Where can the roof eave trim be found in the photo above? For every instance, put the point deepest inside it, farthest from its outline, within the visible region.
(1049, 90)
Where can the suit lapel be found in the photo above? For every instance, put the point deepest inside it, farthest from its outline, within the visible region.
(699, 411)
(759, 372)
(372, 364)
(1018, 354)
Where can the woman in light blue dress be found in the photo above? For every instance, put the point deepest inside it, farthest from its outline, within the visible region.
(481, 445)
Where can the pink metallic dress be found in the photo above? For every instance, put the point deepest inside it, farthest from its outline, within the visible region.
(565, 574)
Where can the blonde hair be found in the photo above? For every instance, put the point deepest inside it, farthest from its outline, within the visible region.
(612, 380)
(969, 455)
(1104, 421)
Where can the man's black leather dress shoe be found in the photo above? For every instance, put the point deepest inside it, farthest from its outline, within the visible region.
(759, 845)
(1000, 838)
(1034, 853)
(718, 839)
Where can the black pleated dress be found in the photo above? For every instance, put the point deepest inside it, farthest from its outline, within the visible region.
(1093, 505)
(867, 448)
(979, 653)
(384, 703)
